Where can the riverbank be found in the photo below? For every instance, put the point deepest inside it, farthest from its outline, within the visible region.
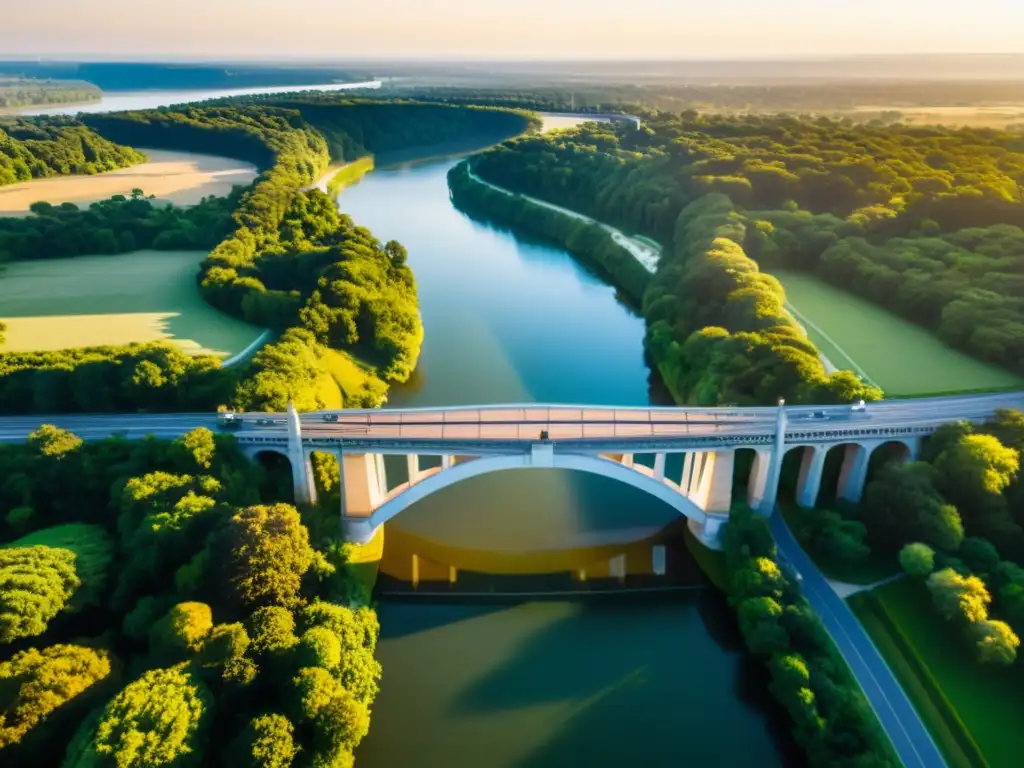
(597, 245)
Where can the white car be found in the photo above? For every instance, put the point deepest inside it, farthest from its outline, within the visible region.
(859, 407)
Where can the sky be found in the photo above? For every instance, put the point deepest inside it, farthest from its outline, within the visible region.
(512, 29)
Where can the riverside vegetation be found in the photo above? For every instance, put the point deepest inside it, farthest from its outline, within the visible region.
(926, 221)
(285, 259)
(158, 608)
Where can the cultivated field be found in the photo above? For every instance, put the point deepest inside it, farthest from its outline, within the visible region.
(999, 116)
(99, 300)
(899, 356)
(182, 178)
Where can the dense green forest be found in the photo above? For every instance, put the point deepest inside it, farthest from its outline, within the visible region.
(858, 99)
(924, 220)
(158, 606)
(33, 148)
(23, 92)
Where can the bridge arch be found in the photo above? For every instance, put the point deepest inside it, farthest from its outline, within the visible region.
(642, 478)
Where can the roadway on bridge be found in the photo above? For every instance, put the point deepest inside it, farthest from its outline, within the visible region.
(910, 737)
(524, 423)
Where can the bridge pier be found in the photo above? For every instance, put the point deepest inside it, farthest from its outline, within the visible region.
(363, 489)
(302, 467)
(760, 474)
(854, 472)
(809, 482)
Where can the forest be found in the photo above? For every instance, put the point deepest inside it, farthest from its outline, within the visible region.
(118, 225)
(159, 606)
(34, 148)
(24, 92)
(923, 220)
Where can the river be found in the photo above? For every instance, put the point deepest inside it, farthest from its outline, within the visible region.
(652, 682)
(133, 100)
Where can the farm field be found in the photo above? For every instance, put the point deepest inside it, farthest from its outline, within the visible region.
(971, 710)
(99, 300)
(182, 178)
(900, 357)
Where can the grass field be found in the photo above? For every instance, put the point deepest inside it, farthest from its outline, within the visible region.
(182, 178)
(972, 711)
(900, 357)
(97, 300)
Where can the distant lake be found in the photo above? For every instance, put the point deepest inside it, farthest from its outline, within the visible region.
(130, 101)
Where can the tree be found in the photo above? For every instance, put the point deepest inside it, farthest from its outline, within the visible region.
(761, 626)
(34, 683)
(762, 577)
(195, 450)
(160, 719)
(183, 629)
(272, 629)
(959, 597)
(319, 647)
(53, 442)
(976, 466)
(979, 554)
(917, 560)
(996, 642)
(267, 742)
(831, 536)
(270, 552)
(36, 583)
(902, 505)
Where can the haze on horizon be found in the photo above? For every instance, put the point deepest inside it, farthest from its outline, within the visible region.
(493, 29)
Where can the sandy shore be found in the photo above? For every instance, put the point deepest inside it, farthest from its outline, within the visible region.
(182, 178)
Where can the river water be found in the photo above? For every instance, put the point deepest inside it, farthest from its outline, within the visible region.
(134, 100)
(624, 681)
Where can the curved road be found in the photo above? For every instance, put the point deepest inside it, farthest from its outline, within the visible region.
(908, 733)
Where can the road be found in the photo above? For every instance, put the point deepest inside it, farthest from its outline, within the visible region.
(909, 736)
(564, 423)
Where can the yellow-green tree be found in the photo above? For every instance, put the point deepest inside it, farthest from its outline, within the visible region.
(158, 720)
(36, 583)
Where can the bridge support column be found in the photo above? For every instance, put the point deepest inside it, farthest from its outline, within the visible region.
(413, 462)
(302, 469)
(710, 483)
(760, 473)
(809, 482)
(854, 472)
(659, 466)
(363, 488)
(771, 492)
(447, 461)
(627, 459)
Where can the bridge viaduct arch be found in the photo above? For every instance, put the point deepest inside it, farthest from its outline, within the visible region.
(703, 493)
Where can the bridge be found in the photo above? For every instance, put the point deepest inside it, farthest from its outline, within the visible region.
(477, 440)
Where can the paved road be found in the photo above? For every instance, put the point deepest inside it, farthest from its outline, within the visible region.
(913, 742)
(565, 423)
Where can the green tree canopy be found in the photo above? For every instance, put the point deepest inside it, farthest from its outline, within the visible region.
(270, 552)
(34, 683)
(36, 583)
(158, 720)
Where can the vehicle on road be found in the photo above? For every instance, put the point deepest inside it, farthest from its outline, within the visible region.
(267, 422)
(859, 407)
(330, 417)
(229, 420)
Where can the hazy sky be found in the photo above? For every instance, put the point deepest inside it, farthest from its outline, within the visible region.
(508, 28)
